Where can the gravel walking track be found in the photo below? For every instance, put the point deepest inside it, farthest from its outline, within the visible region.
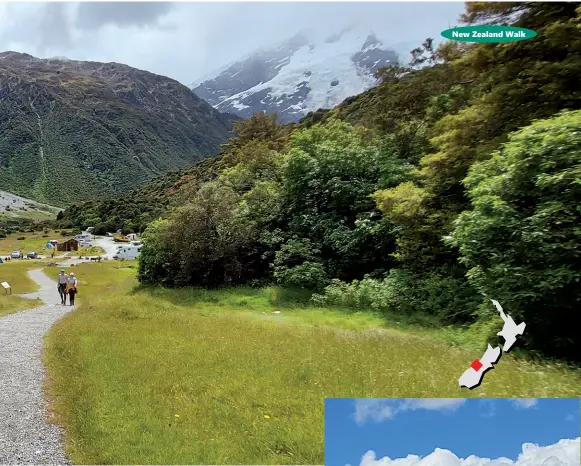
(25, 435)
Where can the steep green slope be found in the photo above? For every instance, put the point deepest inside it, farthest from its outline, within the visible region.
(134, 211)
(73, 131)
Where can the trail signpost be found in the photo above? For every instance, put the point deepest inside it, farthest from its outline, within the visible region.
(6, 287)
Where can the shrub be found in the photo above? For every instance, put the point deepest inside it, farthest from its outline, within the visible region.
(307, 276)
(297, 264)
(450, 299)
(522, 240)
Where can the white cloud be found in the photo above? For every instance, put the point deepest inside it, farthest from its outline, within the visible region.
(563, 453)
(187, 40)
(490, 405)
(383, 409)
(524, 403)
(434, 403)
(373, 409)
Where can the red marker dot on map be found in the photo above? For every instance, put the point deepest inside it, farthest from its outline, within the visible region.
(476, 365)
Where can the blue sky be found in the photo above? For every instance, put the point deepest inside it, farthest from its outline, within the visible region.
(487, 428)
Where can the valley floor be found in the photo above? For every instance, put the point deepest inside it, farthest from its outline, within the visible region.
(147, 375)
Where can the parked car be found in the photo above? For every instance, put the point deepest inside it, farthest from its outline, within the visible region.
(32, 255)
(16, 255)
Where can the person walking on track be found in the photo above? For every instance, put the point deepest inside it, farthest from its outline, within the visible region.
(72, 288)
(62, 286)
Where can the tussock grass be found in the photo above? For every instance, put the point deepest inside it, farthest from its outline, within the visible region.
(147, 375)
(16, 274)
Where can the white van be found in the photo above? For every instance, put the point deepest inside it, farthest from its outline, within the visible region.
(127, 253)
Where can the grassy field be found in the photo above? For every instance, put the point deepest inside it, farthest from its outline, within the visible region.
(37, 241)
(194, 377)
(15, 273)
(90, 251)
(32, 242)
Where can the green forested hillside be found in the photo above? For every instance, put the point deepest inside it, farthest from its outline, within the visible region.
(133, 212)
(444, 186)
(72, 131)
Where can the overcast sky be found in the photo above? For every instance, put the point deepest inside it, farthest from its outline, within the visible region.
(188, 41)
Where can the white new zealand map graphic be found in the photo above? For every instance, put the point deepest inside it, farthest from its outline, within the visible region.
(472, 377)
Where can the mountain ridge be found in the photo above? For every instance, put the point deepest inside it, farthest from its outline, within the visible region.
(104, 127)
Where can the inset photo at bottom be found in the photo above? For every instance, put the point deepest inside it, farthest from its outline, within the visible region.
(452, 432)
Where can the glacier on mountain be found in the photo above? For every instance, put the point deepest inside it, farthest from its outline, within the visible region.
(303, 74)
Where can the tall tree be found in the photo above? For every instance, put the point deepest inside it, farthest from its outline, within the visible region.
(522, 238)
(510, 84)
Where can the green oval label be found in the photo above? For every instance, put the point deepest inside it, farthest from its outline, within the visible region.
(488, 34)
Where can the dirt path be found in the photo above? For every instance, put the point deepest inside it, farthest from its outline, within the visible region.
(25, 435)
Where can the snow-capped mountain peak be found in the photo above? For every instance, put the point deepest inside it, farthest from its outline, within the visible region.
(301, 75)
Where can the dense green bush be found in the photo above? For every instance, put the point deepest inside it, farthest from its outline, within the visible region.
(451, 300)
(298, 264)
(327, 183)
(307, 276)
(522, 238)
(205, 242)
(157, 262)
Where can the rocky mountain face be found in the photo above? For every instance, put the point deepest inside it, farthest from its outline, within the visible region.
(302, 75)
(73, 130)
